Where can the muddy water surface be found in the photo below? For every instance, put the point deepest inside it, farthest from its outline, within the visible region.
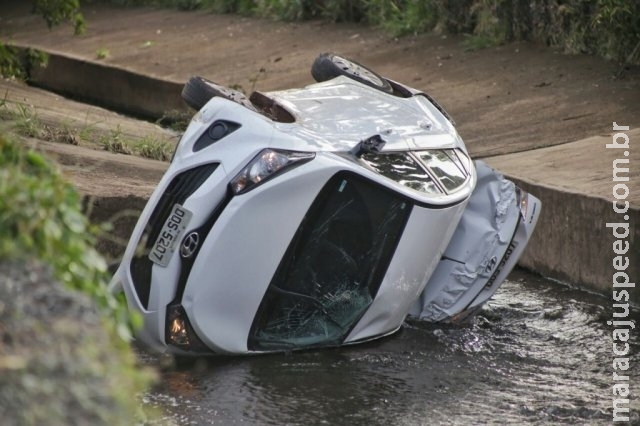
(540, 352)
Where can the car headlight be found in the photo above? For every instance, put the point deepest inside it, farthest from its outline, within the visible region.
(180, 333)
(447, 168)
(267, 164)
(403, 168)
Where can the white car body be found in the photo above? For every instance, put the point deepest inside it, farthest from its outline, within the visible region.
(272, 267)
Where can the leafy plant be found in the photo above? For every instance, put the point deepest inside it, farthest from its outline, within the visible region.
(618, 24)
(102, 53)
(41, 217)
(58, 11)
(17, 63)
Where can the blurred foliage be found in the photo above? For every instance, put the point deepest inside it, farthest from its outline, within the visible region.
(16, 63)
(41, 220)
(56, 12)
(41, 217)
(609, 28)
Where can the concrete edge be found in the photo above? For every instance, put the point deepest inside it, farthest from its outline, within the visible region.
(108, 86)
(572, 243)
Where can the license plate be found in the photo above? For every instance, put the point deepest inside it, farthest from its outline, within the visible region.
(174, 226)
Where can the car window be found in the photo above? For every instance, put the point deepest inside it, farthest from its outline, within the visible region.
(333, 268)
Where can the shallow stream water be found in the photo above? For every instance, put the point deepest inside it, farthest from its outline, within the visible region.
(539, 352)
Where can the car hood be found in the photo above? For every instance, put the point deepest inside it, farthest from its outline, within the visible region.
(337, 114)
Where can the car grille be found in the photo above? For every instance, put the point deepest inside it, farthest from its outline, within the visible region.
(180, 188)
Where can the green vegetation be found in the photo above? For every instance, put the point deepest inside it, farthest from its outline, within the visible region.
(27, 123)
(146, 147)
(17, 63)
(57, 369)
(609, 28)
(58, 11)
(41, 217)
(102, 53)
(41, 220)
(176, 120)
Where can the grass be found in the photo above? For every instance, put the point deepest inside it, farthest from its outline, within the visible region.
(102, 53)
(176, 120)
(147, 147)
(63, 134)
(473, 42)
(26, 123)
(114, 142)
(5, 112)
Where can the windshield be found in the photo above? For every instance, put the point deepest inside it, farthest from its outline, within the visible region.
(333, 267)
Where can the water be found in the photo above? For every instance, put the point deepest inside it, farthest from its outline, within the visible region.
(540, 352)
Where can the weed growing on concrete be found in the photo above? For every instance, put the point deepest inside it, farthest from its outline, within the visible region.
(114, 142)
(5, 112)
(102, 53)
(177, 120)
(63, 134)
(28, 123)
(149, 147)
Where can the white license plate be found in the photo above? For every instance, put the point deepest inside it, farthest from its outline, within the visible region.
(165, 245)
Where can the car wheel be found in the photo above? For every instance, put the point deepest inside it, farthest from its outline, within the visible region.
(329, 65)
(198, 91)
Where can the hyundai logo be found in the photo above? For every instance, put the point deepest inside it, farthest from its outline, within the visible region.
(189, 245)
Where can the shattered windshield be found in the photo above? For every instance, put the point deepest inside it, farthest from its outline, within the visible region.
(334, 266)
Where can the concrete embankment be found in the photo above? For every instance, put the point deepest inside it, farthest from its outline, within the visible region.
(575, 181)
(575, 240)
(118, 89)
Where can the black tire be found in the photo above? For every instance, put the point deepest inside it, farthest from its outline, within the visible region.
(329, 65)
(198, 91)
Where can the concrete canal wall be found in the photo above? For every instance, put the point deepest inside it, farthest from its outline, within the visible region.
(580, 238)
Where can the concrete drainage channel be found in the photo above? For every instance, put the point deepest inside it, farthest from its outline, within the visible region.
(574, 240)
(118, 89)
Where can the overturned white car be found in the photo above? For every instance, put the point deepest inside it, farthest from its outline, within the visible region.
(316, 217)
